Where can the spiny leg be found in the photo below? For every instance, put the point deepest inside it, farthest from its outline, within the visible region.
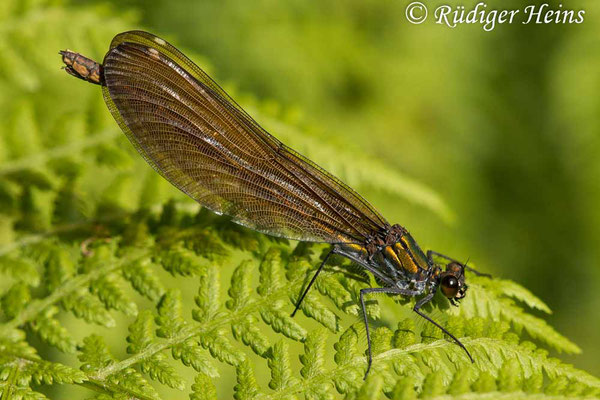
(364, 310)
(312, 281)
(426, 300)
(431, 254)
(389, 290)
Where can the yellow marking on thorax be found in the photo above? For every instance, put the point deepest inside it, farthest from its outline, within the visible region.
(406, 260)
(357, 248)
(354, 246)
(392, 255)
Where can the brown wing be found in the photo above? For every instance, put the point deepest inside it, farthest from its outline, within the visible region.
(202, 142)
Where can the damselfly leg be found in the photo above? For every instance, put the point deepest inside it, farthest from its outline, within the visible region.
(417, 309)
(364, 311)
(312, 281)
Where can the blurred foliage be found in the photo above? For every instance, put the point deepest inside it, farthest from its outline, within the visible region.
(510, 120)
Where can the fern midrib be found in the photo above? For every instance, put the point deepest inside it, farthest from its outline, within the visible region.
(226, 320)
(357, 362)
(100, 376)
(65, 228)
(38, 237)
(90, 383)
(110, 388)
(59, 151)
(327, 377)
(33, 309)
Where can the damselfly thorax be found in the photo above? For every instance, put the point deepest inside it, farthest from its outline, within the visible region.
(199, 139)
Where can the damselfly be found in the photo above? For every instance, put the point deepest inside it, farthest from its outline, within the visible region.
(198, 138)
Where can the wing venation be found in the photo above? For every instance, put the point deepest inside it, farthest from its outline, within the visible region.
(205, 144)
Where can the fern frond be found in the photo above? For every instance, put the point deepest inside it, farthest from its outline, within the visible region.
(491, 298)
(89, 237)
(435, 365)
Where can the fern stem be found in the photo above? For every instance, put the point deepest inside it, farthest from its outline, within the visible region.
(37, 306)
(57, 152)
(485, 343)
(359, 362)
(58, 229)
(111, 369)
(326, 377)
(92, 384)
(227, 319)
(110, 388)
(38, 237)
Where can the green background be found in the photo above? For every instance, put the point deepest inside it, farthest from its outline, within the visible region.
(503, 125)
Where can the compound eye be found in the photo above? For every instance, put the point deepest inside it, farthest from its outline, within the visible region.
(450, 286)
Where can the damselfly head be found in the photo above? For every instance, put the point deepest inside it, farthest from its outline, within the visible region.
(452, 281)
